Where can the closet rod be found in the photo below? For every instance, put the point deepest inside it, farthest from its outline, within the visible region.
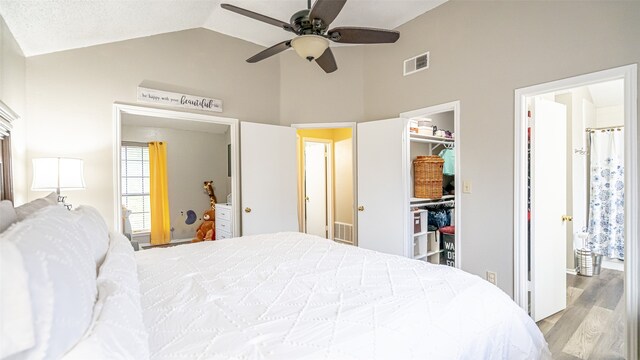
(605, 128)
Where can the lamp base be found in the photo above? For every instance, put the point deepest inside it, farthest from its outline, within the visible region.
(62, 200)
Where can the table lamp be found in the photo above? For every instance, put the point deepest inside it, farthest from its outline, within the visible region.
(58, 174)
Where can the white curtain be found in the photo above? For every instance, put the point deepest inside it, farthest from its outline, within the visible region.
(606, 197)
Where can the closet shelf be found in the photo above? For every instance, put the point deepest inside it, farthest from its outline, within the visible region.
(430, 253)
(430, 139)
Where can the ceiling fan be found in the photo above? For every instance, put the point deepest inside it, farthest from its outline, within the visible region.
(312, 40)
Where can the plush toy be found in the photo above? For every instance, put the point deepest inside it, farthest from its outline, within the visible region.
(208, 188)
(206, 230)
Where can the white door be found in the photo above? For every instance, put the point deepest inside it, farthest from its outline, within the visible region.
(268, 178)
(548, 206)
(315, 185)
(382, 186)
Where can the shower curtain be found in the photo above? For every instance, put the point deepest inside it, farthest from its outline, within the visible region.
(606, 197)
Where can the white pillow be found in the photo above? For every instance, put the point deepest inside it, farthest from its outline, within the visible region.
(16, 321)
(95, 231)
(62, 279)
(118, 330)
(23, 211)
(7, 215)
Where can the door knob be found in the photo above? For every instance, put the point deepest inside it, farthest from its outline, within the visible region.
(567, 218)
(360, 208)
(247, 210)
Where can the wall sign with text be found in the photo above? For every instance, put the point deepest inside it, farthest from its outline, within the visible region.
(180, 100)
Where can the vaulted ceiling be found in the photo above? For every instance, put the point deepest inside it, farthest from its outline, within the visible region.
(45, 26)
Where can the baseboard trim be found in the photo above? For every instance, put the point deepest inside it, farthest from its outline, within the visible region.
(572, 271)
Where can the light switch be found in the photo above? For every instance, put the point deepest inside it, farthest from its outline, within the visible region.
(466, 187)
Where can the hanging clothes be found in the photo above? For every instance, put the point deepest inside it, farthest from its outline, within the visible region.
(449, 157)
(606, 198)
(439, 218)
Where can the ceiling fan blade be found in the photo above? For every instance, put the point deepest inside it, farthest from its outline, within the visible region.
(259, 17)
(327, 10)
(275, 49)
(359, 35)
(327, 62)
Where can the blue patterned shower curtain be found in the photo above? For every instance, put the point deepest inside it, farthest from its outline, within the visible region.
(606, 197)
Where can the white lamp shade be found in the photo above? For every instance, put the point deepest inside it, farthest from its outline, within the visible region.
(57, 173)
(310, 46)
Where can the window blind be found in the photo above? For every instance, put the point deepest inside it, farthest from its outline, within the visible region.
(135, 185)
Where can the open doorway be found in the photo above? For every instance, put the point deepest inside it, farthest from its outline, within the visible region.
(435, 234)
(576, 180)
(193, 159)
(326, 185)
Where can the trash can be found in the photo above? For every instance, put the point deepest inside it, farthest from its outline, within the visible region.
(588, 263)
(597, 264)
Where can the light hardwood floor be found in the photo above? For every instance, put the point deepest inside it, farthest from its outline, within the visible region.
(592, 325)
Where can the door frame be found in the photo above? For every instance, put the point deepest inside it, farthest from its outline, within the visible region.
(120, 109)
(632, 232)
(328, 179)
(436, 109)
(354, 141)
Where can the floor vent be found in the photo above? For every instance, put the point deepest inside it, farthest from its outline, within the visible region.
(343, 232)
(416, 63)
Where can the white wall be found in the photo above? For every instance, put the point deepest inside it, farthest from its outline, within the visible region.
(610, 116)
(192, 158)
(12, 93)
(71, 93)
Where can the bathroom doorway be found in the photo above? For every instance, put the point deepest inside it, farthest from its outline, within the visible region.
(575, 178)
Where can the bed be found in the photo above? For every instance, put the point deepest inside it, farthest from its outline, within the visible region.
(272, 296)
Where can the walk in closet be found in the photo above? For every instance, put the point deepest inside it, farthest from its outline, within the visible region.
(429, 215)
(391, 218)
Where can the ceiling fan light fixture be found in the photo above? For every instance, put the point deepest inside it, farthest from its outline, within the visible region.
(310, 46)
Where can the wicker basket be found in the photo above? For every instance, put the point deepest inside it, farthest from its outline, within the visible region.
(427, 177)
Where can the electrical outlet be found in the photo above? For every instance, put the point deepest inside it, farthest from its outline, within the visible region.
(492, 277)
(466, 187)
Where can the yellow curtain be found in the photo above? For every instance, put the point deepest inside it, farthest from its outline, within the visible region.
(159, 194)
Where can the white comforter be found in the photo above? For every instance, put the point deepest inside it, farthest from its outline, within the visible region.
(294, 296)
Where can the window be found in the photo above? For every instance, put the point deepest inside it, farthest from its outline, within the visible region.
(135, 185)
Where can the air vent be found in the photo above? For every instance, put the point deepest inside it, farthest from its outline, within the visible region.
(417, 63)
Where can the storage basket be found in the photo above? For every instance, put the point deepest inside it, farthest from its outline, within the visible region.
(427, 177)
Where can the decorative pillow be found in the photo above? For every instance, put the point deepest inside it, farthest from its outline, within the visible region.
(62, 278)
(95, 231)
(7, 215)
(16, 321)
(29, 208)
(117, 331)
